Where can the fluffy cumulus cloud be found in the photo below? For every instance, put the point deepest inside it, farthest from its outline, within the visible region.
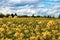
(29, 7)
(55, 10)
(25, 1)
(6, 10)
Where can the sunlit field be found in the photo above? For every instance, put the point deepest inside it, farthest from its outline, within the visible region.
(29, 28)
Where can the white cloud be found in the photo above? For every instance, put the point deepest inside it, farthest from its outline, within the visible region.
(30, 1)
(29, 9)
(26, 11)
(6, 10)
(15, 1)
(23, 10)
(55, 10)
(23, 1)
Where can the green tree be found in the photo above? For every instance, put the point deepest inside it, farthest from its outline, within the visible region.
(2, 15)
(7, 15)
(59, 16)
(15, 14)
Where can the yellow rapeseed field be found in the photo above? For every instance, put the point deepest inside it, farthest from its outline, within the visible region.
(29, 28)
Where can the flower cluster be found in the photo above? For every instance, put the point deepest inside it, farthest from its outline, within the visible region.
(29, 29)
(51, 24)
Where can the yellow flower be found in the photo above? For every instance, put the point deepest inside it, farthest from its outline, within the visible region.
(24, 27)
(4, 25)
(32, 38)
(59, 38)
(17, 34)
(18, 29)
(1, 35)
(58, 33)
(2, 29)
(26, 31)
(21, 35)
(10, 16)
(44, 29)
(19, 25)
(9, 32)
(53, 38)
(15, 17)
(2, 39)
(8, 39)
(32, 34)
(51, 24)
(9, 23)
(20, 38)
(1, 19)
(39, 22)
(30, 22)
(46, 34)
(37, 28)
(54, 31)
(38, 33)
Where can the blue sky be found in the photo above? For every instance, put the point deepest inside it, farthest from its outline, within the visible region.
(29, 7)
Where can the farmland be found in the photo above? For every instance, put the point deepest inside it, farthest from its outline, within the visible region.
(29, 28)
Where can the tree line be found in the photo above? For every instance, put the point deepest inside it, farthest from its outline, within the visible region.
(7, 15)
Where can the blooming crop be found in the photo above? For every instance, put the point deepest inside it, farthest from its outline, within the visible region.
(29, 29)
